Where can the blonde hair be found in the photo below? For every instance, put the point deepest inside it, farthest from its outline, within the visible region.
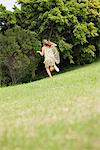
(49, 43)
(46, 42)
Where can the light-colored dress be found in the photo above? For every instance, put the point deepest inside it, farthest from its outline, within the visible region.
(49, 59)
(51, 56)
(56, 55)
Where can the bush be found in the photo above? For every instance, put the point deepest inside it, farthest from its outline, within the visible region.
(18, 55)
(87, 55)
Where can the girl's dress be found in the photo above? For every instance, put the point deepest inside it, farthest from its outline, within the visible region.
(51, 56)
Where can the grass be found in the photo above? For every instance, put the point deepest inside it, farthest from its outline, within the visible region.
(61, 113)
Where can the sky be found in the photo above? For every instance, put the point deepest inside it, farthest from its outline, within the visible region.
(8, 3)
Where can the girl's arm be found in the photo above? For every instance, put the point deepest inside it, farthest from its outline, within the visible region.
(41, 52)
(53, 45)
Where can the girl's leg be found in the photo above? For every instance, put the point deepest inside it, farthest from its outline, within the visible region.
(48, 71)
(56, 68)
(51, 68)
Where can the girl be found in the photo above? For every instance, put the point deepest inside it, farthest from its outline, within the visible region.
(49, 56)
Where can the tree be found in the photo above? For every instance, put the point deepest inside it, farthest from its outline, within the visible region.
(17, 57)
(7, 18)
(72, 22)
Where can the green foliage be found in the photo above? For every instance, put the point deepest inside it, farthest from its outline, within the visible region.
(80, 32)
(7, 18)
(87, 54)
(77, 22)
(83, 31)
(65, 49)
(17, 55)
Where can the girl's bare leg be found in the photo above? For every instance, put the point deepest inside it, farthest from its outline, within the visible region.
(52, 68)
(48, 71)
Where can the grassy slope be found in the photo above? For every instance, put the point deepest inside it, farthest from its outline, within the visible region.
(61, 113)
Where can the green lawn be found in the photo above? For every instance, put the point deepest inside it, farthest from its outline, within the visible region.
(62, 113)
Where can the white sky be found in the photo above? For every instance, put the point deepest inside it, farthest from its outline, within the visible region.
(8, 3)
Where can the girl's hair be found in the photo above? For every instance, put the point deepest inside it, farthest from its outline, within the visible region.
(46, 42)
(47, 45)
